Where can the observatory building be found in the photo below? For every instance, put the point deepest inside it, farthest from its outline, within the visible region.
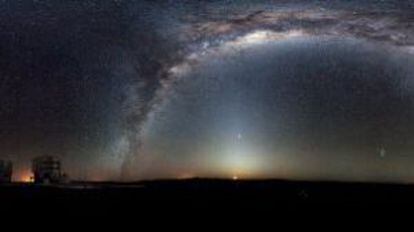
(47, 169)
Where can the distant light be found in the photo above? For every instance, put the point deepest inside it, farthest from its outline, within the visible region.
(27, 178)
(185, 176)
(235, 178)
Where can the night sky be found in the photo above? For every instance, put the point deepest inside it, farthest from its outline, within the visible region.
(130, 90)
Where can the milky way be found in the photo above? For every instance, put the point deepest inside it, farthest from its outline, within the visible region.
(130, 90)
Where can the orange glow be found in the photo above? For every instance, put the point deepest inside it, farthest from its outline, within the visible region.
(25, 176)
(185, 176)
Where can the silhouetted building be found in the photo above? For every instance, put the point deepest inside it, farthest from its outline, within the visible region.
(47, 169)
(6, 171)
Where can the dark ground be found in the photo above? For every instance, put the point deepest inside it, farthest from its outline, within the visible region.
(172, 195)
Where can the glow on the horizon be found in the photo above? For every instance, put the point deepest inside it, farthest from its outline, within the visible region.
(26, 177)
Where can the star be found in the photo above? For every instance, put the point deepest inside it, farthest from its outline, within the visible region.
(239, 136)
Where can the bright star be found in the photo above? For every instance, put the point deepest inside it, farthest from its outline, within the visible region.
(239, 136)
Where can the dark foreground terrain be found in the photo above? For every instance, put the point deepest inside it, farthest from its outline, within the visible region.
(170, 195)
